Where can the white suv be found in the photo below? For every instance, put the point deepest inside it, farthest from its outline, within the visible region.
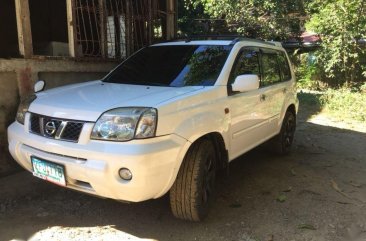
(165, 120)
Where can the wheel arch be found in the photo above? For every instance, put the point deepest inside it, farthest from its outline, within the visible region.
(292, 108)
(221, 151)
(220, 147)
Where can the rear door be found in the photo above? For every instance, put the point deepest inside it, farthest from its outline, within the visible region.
(274, 85)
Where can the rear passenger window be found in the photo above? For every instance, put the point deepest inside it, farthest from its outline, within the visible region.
(271, 70)
(285, 68)
(247, 63)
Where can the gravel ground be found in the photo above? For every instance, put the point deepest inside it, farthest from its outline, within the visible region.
(316, 193)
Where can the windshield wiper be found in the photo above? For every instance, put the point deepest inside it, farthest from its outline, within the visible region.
(135, 82)
(149, 83)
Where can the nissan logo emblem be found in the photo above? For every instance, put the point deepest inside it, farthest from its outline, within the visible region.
(50, 128)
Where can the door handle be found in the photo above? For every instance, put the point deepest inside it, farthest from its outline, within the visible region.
(263, 97)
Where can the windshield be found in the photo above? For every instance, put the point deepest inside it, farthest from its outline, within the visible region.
(176, 66)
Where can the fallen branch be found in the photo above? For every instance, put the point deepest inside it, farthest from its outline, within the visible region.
(335, 187)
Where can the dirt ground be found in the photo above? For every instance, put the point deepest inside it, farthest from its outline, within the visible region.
(316, 193)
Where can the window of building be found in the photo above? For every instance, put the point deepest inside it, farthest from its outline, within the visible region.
(118, 28)
(112, 29)
(8, 30)
(49, 27)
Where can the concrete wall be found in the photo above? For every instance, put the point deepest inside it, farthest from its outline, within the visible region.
(55, 79)
(8, 105)
(17, 77)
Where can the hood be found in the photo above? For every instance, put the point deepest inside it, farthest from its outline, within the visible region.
(88, 101)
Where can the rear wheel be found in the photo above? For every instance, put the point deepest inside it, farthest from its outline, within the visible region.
(194, 187)
(282, 143)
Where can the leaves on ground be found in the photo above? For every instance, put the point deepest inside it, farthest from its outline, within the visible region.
(235, 205)
(306, 226)
(355, 184)
(289, 189)
(281, 198)
(336, 187)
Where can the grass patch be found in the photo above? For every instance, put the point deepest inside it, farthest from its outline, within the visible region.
(310, 98)
(342, 104)
(345, 104)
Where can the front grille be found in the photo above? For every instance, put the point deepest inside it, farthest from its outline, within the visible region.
(72, 130)
(67, 130)
(34, 124)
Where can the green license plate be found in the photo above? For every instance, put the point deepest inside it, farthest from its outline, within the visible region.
(49, 171)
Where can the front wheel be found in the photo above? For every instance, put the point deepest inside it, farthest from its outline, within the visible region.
(194, 187)
(282, 143)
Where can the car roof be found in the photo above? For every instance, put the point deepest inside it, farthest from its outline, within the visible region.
(196, 42)
(253, 42)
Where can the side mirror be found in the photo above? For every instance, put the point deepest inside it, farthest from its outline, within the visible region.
(245, 83)
(39, 86)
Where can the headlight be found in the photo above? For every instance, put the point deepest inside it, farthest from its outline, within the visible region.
(124, 124)
(23, 108)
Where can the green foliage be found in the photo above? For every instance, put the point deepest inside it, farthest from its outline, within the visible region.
(345, 104)
(341, 24)
(305, 76)
(342, 104)
(307, 73)
(363, 88)
(187, 14)
(266, 19)
(310, 99)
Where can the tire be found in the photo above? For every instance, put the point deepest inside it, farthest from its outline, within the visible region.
(194, 188)
(282, 143)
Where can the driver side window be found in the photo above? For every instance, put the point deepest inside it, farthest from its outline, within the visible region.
(246, 63)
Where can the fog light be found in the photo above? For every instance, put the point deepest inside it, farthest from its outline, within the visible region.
(125, 174)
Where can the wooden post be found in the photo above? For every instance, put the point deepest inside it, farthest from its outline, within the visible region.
(129, 32)
(24, 28)
(175, 18)
(103, 28)
(71, 28)
(170, 19)
(150, 24)
(117, 36)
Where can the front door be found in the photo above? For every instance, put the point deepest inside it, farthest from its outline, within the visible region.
(250, 111)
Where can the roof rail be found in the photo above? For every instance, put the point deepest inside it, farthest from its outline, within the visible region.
(234, 39)
(211, 37)
(275, 43)
(253, 40)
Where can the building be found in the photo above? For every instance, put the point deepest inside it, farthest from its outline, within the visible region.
(68, 41)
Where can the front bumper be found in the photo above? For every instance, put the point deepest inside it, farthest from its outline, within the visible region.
(92, 166)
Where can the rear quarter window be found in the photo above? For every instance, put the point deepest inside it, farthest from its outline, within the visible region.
(285, 67)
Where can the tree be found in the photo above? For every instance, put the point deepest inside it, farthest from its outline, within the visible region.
(342, 25)
(265, 19)
(187, 13)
